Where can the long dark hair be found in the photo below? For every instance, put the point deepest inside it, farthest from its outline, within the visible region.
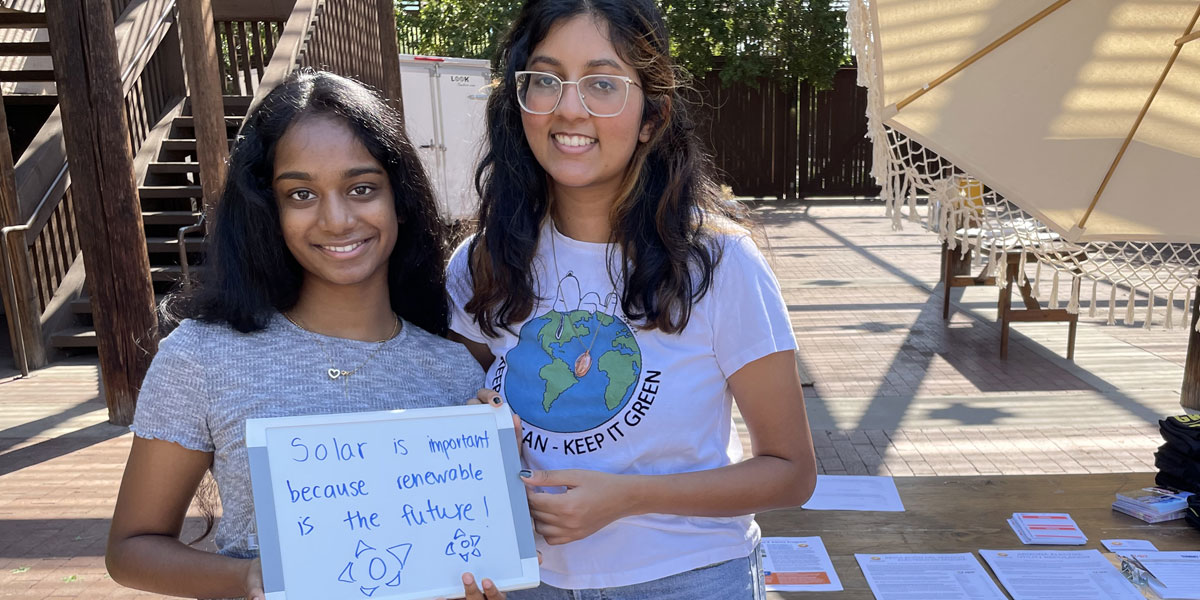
(662, 221)
(251, 273)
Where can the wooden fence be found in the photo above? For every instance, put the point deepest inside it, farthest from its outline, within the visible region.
(751, 131)
(771, 140)
(834, 157)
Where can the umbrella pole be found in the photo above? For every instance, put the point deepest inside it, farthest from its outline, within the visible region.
(1190, 396)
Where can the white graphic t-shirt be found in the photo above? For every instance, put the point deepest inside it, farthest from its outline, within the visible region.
(597, 392)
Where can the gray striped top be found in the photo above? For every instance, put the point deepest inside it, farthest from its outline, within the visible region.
(207, 379)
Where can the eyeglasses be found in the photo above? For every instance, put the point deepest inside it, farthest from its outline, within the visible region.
(539, 93)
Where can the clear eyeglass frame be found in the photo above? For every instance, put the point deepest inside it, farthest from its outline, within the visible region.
(578, 89)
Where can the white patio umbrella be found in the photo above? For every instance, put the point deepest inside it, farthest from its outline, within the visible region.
(1084, 115)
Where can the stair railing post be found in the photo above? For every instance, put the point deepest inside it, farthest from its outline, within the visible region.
(17, 290)
(197, 31)
(95, 131)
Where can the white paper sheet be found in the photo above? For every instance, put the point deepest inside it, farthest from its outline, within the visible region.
(1059, 575)
(855, 492)
(1126, 546)
(1177, 573)
(799, 564)
(925, 576)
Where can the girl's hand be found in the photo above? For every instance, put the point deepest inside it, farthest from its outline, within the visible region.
(472, 592)
(593, 500)
(492, 398)
(486, 396)
(253, 581)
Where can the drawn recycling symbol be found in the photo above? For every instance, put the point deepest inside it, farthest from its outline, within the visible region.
(380, 568)
(465, 546)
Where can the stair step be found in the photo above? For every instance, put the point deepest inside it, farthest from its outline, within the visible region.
(237, 101)
(235, 106)
(170, 217)
(75, 337)
(186, 145)
(27, 75)
(190, 121)
(83, 304)
(174, 167)
(22, 19)
(171, 244)
(170, 191)
(25, 49)
(183, 144)
(172, 272)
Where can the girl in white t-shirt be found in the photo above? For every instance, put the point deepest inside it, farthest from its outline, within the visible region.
(620, 307)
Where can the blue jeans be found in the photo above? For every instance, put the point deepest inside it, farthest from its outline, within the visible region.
(737, 579)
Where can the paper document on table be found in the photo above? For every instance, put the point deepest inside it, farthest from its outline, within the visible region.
(924, 576)
(798, 564)
(855, 492)
(1176, 575)
(1127, 546)
(1059, 575)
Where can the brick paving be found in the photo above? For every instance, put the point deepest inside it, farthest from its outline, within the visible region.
(899, 391)
(896, 391)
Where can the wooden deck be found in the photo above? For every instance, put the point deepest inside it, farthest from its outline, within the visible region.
(897, 391)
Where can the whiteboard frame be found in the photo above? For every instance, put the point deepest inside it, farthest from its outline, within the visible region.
(270, 554)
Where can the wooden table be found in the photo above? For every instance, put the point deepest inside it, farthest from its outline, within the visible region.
(955, 266)
(965, 514)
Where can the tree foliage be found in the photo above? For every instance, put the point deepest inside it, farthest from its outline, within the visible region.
(788, 40)
(459, 28)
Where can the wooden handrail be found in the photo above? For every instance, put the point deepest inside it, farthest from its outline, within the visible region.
(41, 215)
(287, 49)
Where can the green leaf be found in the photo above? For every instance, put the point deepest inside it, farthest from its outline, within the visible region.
(70, 579)
(19, 570)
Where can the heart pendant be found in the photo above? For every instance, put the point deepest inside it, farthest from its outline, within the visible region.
(583, 364)
(335, 373)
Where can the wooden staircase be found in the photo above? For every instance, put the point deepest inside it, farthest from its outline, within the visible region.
(26, 75)
(171, 200)
(258, 45)
(32, 26)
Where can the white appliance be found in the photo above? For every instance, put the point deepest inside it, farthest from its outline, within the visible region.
(444, 115)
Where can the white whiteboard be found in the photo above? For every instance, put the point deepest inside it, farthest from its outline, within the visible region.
(391, 505)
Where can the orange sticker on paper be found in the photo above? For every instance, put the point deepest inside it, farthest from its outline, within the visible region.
(813, 578)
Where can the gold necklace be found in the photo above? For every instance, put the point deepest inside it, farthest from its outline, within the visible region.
(583, 362)
(335, 373)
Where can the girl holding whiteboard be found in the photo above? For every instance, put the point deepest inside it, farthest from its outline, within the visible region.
(621, 307)
(324, 293)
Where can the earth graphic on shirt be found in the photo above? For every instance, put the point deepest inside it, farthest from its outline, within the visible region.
(541, 384)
